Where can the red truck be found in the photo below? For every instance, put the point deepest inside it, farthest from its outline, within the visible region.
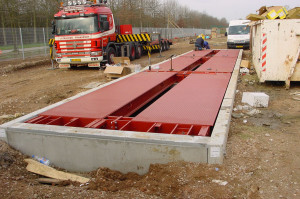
(86, 34)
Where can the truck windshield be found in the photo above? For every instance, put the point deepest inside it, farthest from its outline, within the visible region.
(82, 25)
(239, 30)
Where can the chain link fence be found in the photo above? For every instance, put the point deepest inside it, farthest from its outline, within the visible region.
(21, 43)
(170, 33)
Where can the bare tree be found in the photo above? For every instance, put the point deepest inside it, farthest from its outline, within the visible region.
(143, 13)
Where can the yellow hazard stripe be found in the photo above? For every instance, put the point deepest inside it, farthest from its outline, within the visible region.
(148, 37)
(134, 38)
(51, 41)
(131, 37)
(139, 36)
(119, 39)
(128, 38)
(124, 38)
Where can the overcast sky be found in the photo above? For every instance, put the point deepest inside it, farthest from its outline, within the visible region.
(234, 9)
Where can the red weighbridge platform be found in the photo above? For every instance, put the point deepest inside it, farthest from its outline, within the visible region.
(179, 97)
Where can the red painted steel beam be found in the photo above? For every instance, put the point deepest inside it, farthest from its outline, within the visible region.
(189, 108)
(218, 64)
(184, 62)
(195, 100)
(223, 61)
(111, 99)
(228, 53)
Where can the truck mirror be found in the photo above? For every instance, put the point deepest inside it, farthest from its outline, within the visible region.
(53, 27)
(225, 34)
(106, 25)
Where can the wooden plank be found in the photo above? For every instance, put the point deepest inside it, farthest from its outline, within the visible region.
(41, 169)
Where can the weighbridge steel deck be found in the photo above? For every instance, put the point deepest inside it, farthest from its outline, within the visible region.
(180, 96)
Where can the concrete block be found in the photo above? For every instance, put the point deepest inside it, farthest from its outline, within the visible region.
(256, 99)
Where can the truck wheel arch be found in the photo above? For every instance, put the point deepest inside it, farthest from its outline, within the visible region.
(111, 45)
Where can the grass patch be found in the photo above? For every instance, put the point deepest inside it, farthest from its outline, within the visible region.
(246, 132)
(11, 47)
(19, 55)
(245, 136)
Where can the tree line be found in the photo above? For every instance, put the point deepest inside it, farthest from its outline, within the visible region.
(139, 13)
(162, 13)
(145, 13)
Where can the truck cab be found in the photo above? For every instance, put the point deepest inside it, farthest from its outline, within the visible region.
(238, 35)
(83, 31)
(86, 35)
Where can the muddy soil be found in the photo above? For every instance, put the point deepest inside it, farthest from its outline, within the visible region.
(262, 160)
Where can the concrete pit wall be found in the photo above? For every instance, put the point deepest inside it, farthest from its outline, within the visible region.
(84, 150)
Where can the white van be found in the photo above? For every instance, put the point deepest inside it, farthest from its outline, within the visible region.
(238, 35)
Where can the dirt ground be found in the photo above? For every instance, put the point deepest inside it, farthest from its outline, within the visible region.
(263, 153)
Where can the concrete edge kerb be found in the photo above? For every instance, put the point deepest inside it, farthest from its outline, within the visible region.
(109, 135)
(3, 136)
(217, 143)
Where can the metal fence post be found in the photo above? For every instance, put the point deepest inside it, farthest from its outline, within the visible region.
(22, 43)
(45, 42)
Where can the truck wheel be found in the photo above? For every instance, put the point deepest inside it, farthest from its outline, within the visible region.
(111, 53)
(138, 51)
(131, 52)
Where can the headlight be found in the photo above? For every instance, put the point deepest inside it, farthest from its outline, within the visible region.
(96, 53)
(58, 55)
(74, 3)
(69, 3)
(230, 40)
(247, 40)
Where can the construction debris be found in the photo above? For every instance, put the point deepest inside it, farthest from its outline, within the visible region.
(294, 13)
(245, 64)
(256, 99)
(114, 72)
(121, 67)
(41, 169)
(220, 182)
(244, 71)
(255, 17)
(296, 96)
(275, 12)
